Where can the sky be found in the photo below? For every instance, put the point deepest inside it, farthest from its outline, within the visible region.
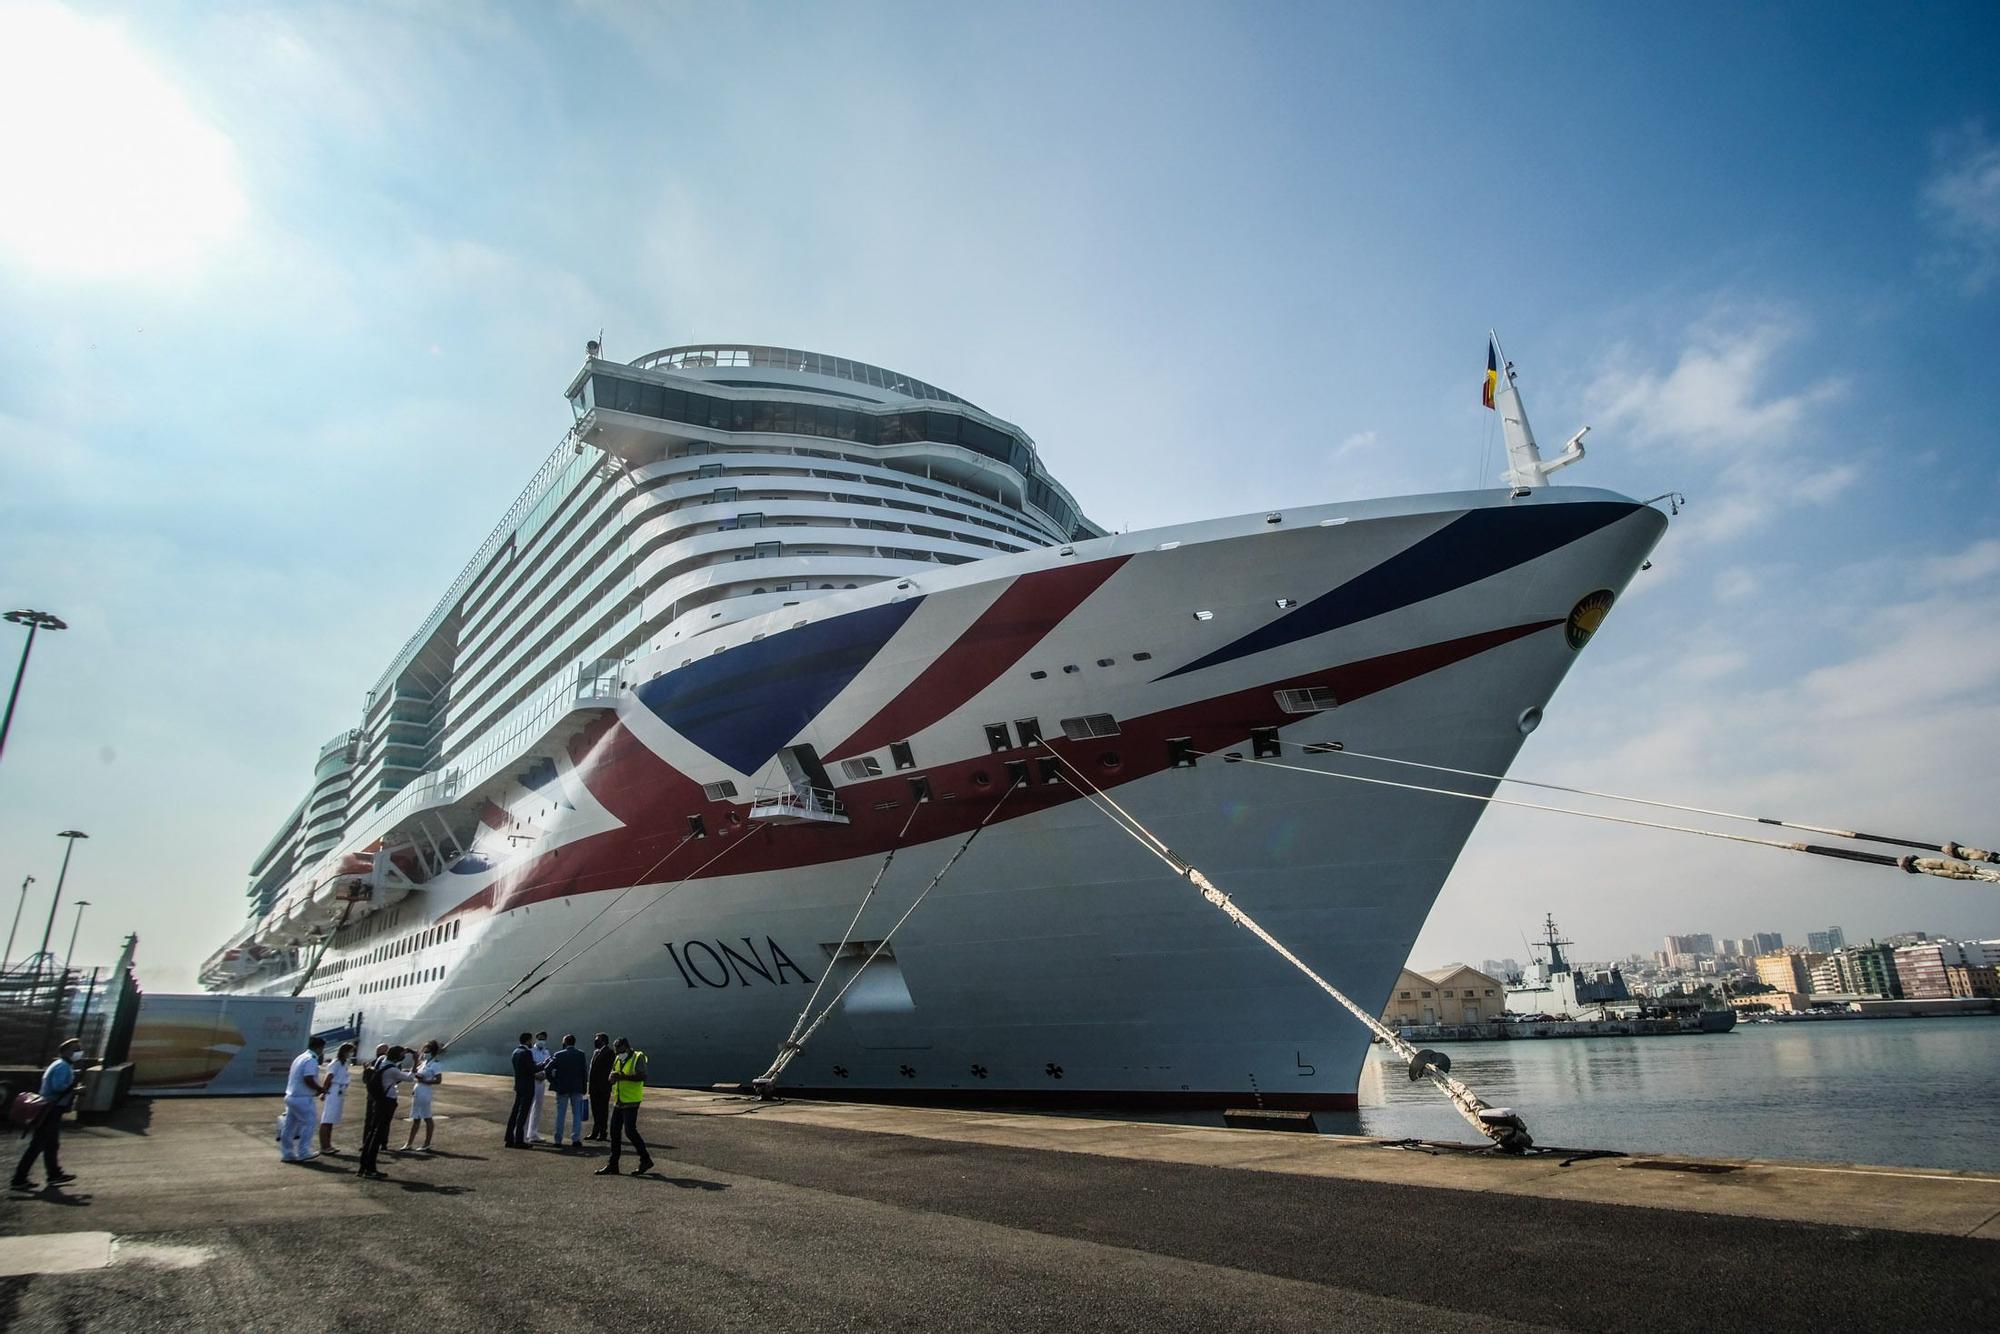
(289, 296)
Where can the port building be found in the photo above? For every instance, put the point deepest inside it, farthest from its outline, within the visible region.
(1454, 994)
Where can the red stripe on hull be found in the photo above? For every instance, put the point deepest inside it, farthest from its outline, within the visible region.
(654, 799)
(1019, 619)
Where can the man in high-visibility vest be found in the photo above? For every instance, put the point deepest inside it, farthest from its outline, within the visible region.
(628, 1090)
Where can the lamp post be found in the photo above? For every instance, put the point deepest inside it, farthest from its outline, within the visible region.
(21, 903)
(34, 620)
(75, 927)
(72, 835)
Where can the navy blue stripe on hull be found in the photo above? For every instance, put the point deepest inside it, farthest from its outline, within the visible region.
(742, 706)
(1472, 547)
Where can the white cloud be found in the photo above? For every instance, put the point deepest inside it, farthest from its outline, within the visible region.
(1979, 561)
(1737, 583)
(1961, 201)
(114, 174)
(1729, 400)
(1718, 395)
(1359, 441)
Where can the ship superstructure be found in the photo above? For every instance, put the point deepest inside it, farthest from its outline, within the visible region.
(766, 615)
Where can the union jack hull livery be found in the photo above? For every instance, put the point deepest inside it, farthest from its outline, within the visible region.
(667, 729)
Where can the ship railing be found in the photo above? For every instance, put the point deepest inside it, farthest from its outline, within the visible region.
(797, 802)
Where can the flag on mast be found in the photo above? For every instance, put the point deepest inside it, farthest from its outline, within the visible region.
(1492, 374)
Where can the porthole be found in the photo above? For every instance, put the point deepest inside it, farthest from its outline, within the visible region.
(980, 778)
(1110, 762)
(1530, 719)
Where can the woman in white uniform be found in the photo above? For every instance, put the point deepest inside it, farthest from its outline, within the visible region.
(337, 1076)
(429, 1075)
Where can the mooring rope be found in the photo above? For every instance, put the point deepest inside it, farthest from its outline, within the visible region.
(1948, 847)
(1936, 866)
(793, 1045)
(319, 955)
(1503, 1127)
(790, 1044)
(520, 990)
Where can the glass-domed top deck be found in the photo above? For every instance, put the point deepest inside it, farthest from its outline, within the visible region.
(711, 356)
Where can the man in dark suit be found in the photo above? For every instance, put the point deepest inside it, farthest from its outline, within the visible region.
(522, 1063)
(600, 1087)
(381, 1109)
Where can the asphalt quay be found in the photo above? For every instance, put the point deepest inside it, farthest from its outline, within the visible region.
(797, 1215)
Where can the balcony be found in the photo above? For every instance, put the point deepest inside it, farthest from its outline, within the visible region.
(797, 805)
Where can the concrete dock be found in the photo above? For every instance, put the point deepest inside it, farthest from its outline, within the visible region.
(819, 1215)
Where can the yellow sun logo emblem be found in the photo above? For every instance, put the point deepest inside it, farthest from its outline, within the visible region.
(1586, 616)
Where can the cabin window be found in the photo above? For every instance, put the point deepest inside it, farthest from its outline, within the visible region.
(866, 766)
(1029, 729)
(901, 756)
(721, 791)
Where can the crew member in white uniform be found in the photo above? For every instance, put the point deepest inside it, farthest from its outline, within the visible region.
(541, 1052)
(429, 1075)
(303, 1087)
(338, 1076)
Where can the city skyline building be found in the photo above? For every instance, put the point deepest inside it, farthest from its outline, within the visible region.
(1829, 941)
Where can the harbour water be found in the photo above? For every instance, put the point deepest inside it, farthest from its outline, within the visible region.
(1913, 1092)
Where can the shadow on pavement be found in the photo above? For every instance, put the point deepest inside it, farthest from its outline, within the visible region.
(134, 1116)
(685, 1183)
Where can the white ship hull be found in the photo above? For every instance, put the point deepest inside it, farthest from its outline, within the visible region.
(1057, 960)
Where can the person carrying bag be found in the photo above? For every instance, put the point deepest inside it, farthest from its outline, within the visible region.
(59, 1089)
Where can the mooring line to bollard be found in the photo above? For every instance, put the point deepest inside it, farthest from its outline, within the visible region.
(1500, 1125)
(1933, 866)
(791, 1047)
(1948, 847)
(519, 991)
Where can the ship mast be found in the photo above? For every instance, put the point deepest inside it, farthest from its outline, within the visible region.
(1554, 942)
(1525, 468)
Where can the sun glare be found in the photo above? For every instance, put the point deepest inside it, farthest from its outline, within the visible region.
(106, 170)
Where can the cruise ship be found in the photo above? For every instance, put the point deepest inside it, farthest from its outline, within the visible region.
(766, 617)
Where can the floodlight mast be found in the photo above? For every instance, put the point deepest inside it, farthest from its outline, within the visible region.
(34, 620)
